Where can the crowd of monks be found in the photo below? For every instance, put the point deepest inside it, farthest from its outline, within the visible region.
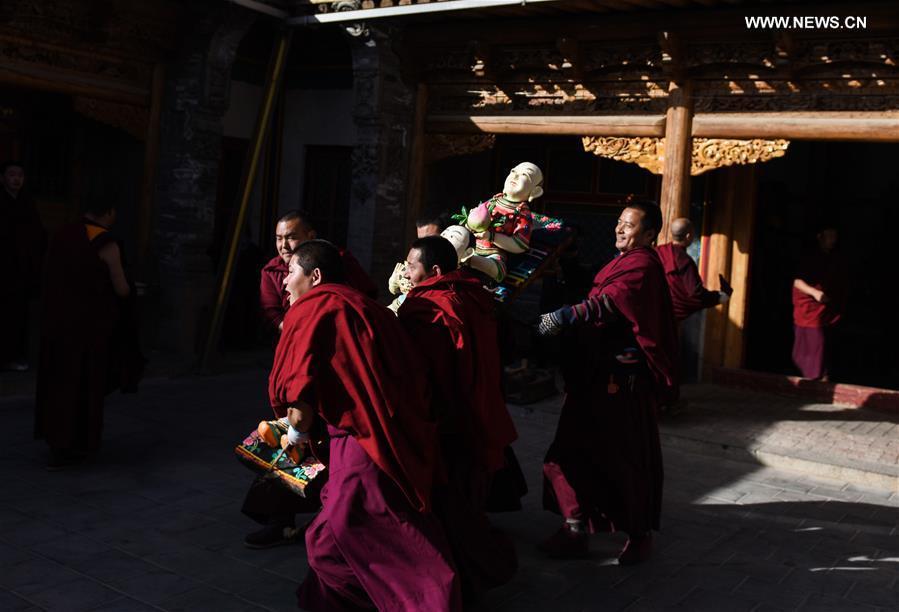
(409, 401)
(412, 405)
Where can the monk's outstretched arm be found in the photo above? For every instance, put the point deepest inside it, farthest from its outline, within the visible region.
(596, 309)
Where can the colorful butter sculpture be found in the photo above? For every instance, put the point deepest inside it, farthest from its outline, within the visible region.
(295, 468)
(548, 238)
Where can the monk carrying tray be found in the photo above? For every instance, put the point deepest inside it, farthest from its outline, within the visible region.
(273, 462)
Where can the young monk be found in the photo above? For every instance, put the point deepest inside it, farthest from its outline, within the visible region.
(345, 359)
(604, 467)
(450, 316)
(687, 293)
(819, 295)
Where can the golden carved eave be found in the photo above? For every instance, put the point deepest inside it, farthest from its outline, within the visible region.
(708, 153)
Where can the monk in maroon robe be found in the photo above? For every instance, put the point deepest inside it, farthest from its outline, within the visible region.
(604, 467)
(819, 293)
(687, 293)
(449, 315)
(22, 242)
(83, 279)
(345, 359)
(274, 507)
(293, 229)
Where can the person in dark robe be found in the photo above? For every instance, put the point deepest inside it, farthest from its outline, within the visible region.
(83, 281)
(604, 467)
(687, 292)
(819, 295)
(22, 243)
(293, 229)
(449, 315)
(345, 359)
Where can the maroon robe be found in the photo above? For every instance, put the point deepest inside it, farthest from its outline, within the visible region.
(605, 463)
(451, 319)
(22, 240)
(79, 314)
(813, 320)
(273, 296)
(374, 544)
(687, 293)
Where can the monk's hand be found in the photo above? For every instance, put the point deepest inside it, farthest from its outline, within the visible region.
(296, 437)
(821, 297)
(550, 324)
(294, 417)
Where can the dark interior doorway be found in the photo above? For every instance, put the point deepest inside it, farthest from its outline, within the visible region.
(853, 186)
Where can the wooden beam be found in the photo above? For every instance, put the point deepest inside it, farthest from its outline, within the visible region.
(56, 81)
(151, 163)
(871, 127)
(675, 196)
(588, 125)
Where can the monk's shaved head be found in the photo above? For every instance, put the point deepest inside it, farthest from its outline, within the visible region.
(681, 228)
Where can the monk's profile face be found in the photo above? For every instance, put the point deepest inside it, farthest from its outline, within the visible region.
(629, 232)
(289, 235)
(298, 282)
(14, 179)
(415, 270)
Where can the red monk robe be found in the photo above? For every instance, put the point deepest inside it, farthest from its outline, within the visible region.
(813, 321)
(79, 313)
(374, 544)
(450, 317)
(604, 466)
(273, 297)
(687, 293)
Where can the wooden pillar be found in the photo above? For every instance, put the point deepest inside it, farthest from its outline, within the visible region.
(743, 229)
(716, 260)
(417, 162)
(675, 196)
(151, 162)
(728, 245)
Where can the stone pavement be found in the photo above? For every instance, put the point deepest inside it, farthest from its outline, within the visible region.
(154, 522)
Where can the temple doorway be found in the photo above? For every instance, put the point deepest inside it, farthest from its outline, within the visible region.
(852, 186)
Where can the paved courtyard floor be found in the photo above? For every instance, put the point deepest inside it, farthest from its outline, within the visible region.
(154, 522)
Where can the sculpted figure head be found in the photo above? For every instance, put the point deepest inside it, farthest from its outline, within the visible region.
(524, 183)
(460, 238)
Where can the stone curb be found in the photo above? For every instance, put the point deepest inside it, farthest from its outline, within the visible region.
(808, 463)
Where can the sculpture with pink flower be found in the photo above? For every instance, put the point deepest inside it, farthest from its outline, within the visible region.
(502, 225)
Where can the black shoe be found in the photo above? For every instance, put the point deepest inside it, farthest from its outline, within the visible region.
(273, 535)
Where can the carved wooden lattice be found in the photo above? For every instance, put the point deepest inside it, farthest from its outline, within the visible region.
(708, 153)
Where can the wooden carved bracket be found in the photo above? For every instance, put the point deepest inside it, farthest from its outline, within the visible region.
(708, 153)
(442, 146)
